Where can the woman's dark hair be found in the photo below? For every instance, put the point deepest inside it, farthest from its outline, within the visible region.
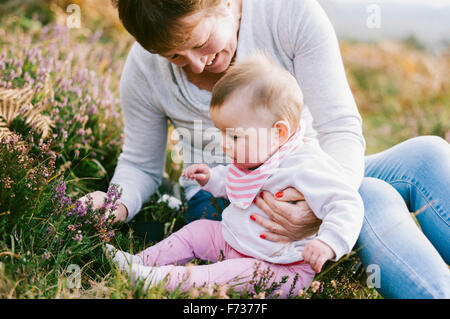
(157, 25)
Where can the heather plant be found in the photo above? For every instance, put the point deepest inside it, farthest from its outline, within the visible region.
(24, 172)
(42, 230)
(344, 279)
(75, 230)
(72, 86)
(96, 15)
(56, 235)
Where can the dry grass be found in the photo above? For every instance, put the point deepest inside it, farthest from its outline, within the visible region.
(401, 91)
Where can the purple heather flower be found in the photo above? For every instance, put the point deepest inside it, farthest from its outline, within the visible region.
(95, 37)
(12, 75)
(28, 79)
(109, 196)
(23, 109)
(102, 221)
(78, 91)
(92, 110)
(61, 189)
(19, 64)
(115, 206)
(80, 209)
(60, 195)
(32, 54)
(80, 132)
(49, 230)
(78, 237)
(108, 236)
(38, 87)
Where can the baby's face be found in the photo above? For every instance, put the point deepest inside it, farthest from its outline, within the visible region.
(247, 135)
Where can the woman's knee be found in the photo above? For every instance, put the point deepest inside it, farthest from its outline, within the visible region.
(383, 205)
(430, 149)
(429, 143)
(376, 192)
(205, 205)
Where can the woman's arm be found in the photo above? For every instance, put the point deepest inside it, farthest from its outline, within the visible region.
(140, 166)
(340, 207)
(320, 73)
(308, 37)
(323, 183)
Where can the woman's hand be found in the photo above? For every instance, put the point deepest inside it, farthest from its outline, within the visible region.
(288, 222)
(98, 198)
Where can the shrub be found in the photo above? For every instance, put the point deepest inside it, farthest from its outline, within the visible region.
(73, 104)
(41, 229)
(24, 173)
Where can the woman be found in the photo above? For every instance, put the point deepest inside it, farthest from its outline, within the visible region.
(184, 46)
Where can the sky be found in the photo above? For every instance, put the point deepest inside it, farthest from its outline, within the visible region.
(429, 3)
(428, 21)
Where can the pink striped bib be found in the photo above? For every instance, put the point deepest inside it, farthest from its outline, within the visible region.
(242, 185)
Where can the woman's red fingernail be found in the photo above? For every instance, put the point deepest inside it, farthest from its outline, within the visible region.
(252, 217)
(261, 194)
(279, 194)
(254, 200)
(262, 236)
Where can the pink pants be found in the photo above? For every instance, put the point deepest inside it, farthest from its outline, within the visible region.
(203, 239)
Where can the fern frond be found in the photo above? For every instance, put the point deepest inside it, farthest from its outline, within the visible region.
(17, 102)
(4, 130)
(12, 100)
(40, 122)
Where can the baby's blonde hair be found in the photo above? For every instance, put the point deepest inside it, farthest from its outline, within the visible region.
(267, 84)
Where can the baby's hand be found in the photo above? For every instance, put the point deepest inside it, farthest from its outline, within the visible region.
(200, 172)
(316, 253)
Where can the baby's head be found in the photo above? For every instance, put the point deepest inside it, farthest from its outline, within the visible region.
(257, 106)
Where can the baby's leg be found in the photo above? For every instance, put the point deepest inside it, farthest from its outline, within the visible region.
(198, 239)
(121, 258)
(237, 272)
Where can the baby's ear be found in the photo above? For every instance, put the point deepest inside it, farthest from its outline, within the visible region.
(283, 130)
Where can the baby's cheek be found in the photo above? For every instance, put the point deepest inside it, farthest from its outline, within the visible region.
(260, 152)
(239, 152)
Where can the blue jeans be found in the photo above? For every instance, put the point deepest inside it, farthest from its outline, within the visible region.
(413, 176)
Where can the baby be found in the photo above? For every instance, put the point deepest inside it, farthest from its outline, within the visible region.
(257, 107)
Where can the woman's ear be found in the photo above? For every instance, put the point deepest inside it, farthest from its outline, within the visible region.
(283, 130)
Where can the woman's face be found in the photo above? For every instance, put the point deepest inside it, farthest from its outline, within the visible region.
(212, 44)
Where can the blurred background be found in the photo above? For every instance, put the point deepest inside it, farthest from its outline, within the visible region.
(396, 53)
(426, 22)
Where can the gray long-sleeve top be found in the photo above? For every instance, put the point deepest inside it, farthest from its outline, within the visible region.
(299, 37)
